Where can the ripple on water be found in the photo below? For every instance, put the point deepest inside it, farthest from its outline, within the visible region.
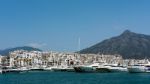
(74, 78)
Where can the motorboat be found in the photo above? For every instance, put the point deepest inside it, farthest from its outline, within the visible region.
(11, 70)
(24, 69)
(86, 68)
(139, 68)
(116, 68)
(58, 68)
(1, 71)
(136, 68)
(70, 69)
(36, 68)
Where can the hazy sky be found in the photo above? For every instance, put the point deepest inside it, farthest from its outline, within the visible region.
(57, 24)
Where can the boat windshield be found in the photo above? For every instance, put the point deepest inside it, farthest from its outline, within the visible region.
(147, 66)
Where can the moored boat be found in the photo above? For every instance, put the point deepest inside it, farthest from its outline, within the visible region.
(48, 69)
(62, 68)
(1, 71)
(102, 70)
(139, 68)
(11, 70)
(70, 69)
(86, 68)
(36, 68)
(116, 68)
(58, 68)
(136, 69)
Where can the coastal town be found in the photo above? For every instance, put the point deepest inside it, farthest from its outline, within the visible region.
(21, 60)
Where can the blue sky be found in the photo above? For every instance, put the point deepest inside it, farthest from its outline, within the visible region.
(57, 24)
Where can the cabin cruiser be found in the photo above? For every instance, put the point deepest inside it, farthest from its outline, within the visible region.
(136, 68)
(9, 69)
(36, 68)
(139, 68)
(116, 68)
(63, 68)
(100, 68)
(1, 71)
(24, 69)
(70, 69)
(86, 68)
(49, 68)
(58, 68)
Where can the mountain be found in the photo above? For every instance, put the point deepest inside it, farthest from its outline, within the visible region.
(128, 44)
(6, 51)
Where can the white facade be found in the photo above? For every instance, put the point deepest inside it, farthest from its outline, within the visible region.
(35, 58)
(0, 60)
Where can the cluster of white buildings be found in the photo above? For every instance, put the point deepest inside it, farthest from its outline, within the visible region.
(0, 60)
(4, 60)
(21, 58)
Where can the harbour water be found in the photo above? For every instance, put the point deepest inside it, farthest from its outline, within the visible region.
(74, 78)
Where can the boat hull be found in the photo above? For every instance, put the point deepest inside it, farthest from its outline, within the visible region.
(84, 69)
(59, 69)
(136, 70)
(118, 69)
(36, 69)
(102, 70)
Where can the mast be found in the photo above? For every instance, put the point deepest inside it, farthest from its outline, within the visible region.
(79, 44)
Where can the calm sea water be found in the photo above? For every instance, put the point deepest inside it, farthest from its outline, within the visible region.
(74, 78)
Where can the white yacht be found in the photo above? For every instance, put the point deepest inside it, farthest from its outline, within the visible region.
(136, 69)
(9, 69)
(49, 68)
(89, 68)
(36, 68)
(62, 68)
(139, 68)
(58, 68)
(116, 68)
(24, 69)
(1, 71)
(70, 69)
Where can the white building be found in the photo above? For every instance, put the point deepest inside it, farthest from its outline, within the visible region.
(0, 60)
(22, 58)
